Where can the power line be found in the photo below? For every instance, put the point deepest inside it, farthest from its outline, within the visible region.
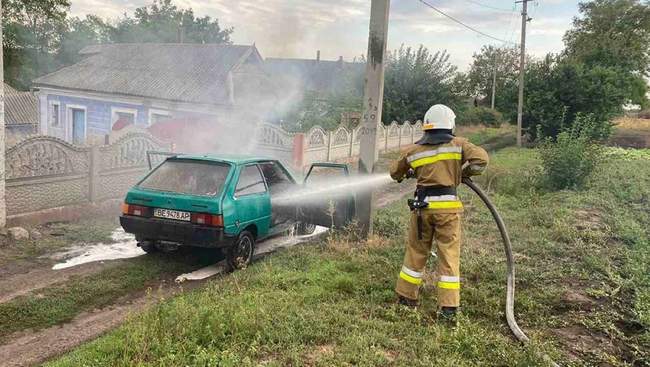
(490, 6)
(463, 24)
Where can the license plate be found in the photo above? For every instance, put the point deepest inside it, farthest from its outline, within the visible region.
(172, 214)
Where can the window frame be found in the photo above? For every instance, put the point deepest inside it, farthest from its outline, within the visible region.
(259, 171)
(116, 110)
(153, 111)
(51, 114)
(225, 184)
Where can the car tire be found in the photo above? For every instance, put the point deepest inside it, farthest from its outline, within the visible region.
(304, 229)
(148, 247)
(240, 254)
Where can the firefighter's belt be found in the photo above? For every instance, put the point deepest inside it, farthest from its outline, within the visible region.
(425, 191)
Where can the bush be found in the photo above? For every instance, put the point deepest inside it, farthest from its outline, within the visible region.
(557, 90)
(569, 160)
(480, 115)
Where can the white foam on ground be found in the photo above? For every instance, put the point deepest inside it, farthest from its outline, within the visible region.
(203, 273)
(124, 247)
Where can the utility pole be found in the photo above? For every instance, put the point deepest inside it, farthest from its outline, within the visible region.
(522, 67)
(373, 97)
(3, 202)
(494, 77)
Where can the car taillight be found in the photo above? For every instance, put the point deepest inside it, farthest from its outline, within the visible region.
(136, 210)
(205, 219)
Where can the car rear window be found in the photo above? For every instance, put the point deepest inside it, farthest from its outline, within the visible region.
(187, 177)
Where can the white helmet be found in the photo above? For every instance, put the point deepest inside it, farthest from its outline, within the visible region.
(439, 117)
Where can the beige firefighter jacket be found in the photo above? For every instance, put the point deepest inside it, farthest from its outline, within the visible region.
(442, 165)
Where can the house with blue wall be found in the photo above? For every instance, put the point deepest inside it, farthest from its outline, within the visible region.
(115, 85)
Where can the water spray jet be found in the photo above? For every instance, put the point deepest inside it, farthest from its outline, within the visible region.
(314, 190)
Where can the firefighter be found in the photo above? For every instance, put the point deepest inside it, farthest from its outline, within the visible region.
(438, 161)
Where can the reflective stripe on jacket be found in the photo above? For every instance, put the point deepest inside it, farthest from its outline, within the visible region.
(441, 165)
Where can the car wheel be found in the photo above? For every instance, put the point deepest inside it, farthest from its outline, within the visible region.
(148, 246)
(304, 229)
(241, 252)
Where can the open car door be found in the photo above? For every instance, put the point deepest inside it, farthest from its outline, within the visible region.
(329, 202)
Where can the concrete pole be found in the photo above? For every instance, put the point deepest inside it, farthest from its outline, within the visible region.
(522, 68)
(3, 202)
(494, 79)
(372, 104)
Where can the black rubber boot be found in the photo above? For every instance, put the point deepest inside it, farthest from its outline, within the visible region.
(448, 314)
(411, 303)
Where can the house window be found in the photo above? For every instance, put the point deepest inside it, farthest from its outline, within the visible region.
(156, 116)
(122, 117)
(55, 114)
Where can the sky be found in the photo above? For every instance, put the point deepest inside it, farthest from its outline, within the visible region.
(298, 28)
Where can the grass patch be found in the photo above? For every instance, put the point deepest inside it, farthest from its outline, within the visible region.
(307, 306)
(61, 302)
(491, 138)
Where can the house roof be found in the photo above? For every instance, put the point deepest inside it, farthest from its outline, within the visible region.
(9, 90)
(314, 75)
(195, 73)
(21, 108)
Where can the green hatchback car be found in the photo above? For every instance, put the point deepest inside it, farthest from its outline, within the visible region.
(226, 203)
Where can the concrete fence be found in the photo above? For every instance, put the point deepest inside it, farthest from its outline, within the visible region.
(46, 176)
(44, 172)
(318, 145)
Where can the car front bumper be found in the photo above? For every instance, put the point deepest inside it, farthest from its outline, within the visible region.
(155, 229)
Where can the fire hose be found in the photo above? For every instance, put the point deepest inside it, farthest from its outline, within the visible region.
(507, 246)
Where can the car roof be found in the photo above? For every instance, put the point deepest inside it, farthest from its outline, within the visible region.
(226, 158)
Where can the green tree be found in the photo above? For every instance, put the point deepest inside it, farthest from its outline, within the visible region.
(559, 89)
(415, 80)
(481, 72)
(612, 33)
(81, 33)
(602, 68)
(32, 33)
(325, 111)
(164, 22)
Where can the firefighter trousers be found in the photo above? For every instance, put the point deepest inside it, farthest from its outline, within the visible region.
(445, 229)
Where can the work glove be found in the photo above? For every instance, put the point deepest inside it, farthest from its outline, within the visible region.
(410, 173)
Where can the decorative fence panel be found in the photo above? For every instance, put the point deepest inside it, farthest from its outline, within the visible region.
(121, 164)
(44, 172)
(275, 142)
(321, 145)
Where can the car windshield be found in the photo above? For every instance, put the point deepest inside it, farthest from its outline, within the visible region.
(187, 177)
